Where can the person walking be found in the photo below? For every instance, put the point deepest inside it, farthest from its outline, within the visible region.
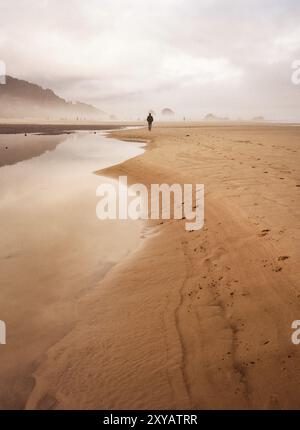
(150, 121)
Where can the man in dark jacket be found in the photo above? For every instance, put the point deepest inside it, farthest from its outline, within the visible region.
(150, 121)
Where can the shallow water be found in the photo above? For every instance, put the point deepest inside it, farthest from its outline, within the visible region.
(53, 248)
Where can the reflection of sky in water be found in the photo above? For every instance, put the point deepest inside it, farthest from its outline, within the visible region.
(92, 148)
(65, 169)
(48, 210)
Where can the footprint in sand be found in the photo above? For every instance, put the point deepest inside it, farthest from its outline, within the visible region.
(283, 257)
(264, 232)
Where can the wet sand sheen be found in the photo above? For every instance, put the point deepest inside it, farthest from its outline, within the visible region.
(53, 249)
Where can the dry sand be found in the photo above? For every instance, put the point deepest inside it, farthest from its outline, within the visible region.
(195, 319)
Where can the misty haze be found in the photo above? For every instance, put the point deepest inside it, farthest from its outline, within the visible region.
(106, 304)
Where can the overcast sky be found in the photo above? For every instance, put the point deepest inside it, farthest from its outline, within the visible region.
(229, 57)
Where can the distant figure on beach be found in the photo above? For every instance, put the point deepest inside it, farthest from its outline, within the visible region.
(150, 121)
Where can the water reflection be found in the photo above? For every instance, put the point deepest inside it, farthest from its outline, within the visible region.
(53, 248)
(18, 147)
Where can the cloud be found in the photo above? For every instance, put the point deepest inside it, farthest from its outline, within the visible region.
(231, 57)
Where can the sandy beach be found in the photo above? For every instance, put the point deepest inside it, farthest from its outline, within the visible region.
(194, 319)
(149, 212)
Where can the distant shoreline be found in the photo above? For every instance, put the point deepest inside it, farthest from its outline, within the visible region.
(17, 128)
(56, 128)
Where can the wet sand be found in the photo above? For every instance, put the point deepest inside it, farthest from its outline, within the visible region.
(194, 319)
(53, 249)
